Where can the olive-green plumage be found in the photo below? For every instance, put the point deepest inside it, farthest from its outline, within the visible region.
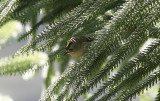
(77, 46)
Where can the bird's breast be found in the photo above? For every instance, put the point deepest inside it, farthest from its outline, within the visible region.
(76, 54)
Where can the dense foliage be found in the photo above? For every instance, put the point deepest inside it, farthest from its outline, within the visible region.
(118, 66)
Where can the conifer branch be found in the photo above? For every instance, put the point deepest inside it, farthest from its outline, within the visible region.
(127, 70)
(19, 64)
(158, 96)
(8, 8)
(147, 83)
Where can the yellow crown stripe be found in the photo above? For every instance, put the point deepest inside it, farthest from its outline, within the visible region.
(68, 43)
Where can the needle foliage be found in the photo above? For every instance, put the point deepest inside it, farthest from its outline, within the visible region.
(119, 64)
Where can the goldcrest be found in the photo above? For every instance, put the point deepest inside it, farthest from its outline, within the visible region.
(77, 46)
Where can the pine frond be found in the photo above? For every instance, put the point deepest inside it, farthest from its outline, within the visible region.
(6, 10)
(32, 9)
(137, 76)
(147, 83)
(3, 4)
(119, 56)
(9, 32)
(69, 72)
(113, 37)
(52, 12)
(76, 18)
(47, 94)
(63, 93)
(52, 27)
(131, 45)
(158, 96)
(127, 70)
(21, 63)
(115, 61)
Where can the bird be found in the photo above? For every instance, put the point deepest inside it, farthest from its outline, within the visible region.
(77, 46)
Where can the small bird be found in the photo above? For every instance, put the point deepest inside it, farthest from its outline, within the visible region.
(77, 46)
